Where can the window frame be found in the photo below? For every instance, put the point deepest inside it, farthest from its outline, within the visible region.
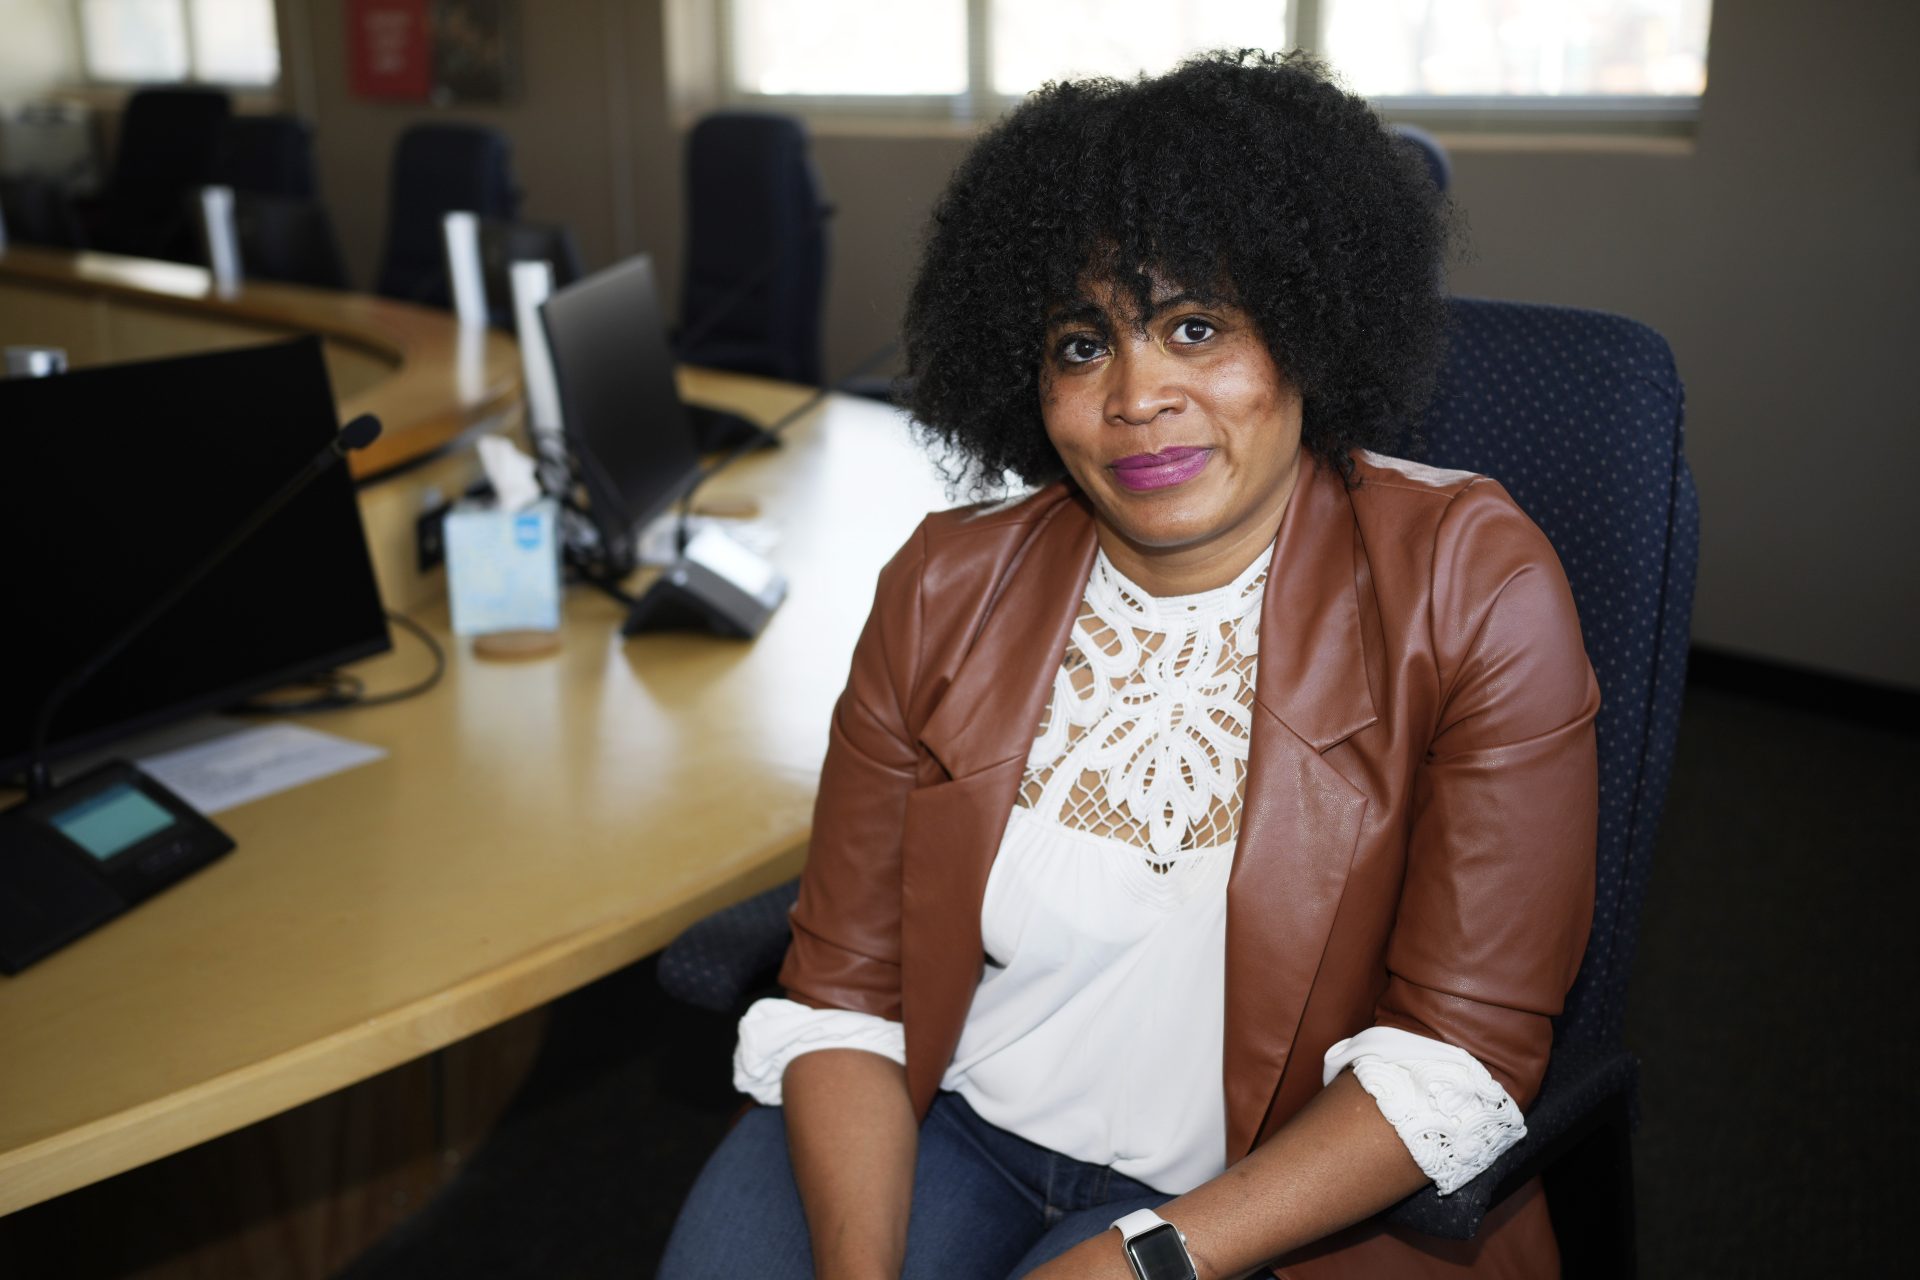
(1655, 115)
(193, 76)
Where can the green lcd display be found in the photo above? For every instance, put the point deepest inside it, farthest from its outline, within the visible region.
(112, 820)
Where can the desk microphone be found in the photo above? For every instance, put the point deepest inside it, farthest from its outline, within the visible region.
(714, 583)
(73, 857)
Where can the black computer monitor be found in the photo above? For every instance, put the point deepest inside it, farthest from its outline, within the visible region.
(114, 482)
(619, 407)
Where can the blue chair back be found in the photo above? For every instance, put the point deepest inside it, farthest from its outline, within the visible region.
(267, 155)
(1579, 414)
(437, 169)
(756, 248)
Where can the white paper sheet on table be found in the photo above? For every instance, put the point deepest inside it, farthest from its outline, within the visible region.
(232, 770)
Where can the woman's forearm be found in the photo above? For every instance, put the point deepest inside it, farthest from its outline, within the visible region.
(853, 1138)
(1336, 1162)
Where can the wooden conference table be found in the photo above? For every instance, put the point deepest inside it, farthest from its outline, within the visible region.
(533, 827)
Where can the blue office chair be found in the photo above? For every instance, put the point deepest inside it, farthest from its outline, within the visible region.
(1431, 153)
(267, 155)
(756, 265)
(504, 243)
(437, 169)
(169, 138)
(1579, 415)
(35, 210)
(284, 231)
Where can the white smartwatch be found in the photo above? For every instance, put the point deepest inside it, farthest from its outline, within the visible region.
(1155, 1248)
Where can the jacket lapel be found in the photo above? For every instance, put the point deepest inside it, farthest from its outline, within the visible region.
(1300, 820)
(980, 733)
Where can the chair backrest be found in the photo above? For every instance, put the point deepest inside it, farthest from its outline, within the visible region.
(1431, 153)
(267, 155)
(288, 240)
(503, 243)
(756, 261)
(168, 141)
(438, 168)
(1579, 415)
(39, 211)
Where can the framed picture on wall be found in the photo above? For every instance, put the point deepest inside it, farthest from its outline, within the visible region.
(473, 46)
(445, 52)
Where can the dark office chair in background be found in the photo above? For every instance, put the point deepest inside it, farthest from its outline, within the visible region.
(437, 169)
(503, 243)
(756, 264)
(1579, 415)
(1431, 153)
(283, 229)
(287, 240)
(169, 141)
(267, 155)
(39, 211)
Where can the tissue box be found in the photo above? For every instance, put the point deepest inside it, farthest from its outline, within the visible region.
(503, 568)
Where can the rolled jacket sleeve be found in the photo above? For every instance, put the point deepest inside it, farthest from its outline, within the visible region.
(846, 925)
(1498, 891)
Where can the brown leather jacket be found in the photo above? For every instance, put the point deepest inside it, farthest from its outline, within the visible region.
(1417, 835)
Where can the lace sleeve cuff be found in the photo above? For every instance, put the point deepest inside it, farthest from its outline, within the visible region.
(1454, 1116)
(775, 1032)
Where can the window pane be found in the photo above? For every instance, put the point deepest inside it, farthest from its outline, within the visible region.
(234, 41)
(1492, 47)
(848, 47)
(134, 40)
(1036, 42)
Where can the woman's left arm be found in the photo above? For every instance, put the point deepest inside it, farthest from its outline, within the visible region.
(1494, 909)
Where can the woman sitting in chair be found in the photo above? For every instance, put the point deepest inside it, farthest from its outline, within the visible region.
(1206, 838)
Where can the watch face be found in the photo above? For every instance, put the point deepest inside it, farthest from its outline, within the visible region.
(1159, 1255)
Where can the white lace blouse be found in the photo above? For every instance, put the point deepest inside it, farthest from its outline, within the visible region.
(1097, 1028)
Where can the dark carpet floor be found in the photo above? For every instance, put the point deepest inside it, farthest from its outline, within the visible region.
(1771, 1007)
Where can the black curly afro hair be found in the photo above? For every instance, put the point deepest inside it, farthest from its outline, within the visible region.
(1244, 176)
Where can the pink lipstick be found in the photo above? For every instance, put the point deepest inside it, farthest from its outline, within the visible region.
(1160, 470)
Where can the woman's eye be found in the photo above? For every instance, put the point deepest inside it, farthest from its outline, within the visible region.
(1188, 332)
(1080, 349)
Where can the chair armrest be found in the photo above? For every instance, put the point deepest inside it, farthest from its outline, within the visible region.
(717, 962)
(1580, 1080)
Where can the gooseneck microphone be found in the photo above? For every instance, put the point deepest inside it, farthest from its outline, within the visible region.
(772, 432)
(357, 434)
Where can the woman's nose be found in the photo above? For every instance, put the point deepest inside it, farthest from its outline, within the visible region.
(1143, 385)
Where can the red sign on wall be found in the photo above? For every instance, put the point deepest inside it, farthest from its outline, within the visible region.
(390, 49)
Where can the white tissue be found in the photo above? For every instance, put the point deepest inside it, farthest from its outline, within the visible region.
(511, 473)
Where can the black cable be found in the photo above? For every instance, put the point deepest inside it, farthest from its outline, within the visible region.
(772, 431)
(413, 690)
(345, 690)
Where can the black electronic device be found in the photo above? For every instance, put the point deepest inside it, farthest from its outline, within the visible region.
(74, 856)
(620, 410)
(78, 857)
(113, 480)
(715, 585)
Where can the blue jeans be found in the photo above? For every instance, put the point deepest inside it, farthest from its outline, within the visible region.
(986, 1204)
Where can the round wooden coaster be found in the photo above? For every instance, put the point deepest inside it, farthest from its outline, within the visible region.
(516, 646)
(728, 506)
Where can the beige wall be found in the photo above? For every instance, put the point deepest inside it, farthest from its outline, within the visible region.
(1777, 252)
(591, 139)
